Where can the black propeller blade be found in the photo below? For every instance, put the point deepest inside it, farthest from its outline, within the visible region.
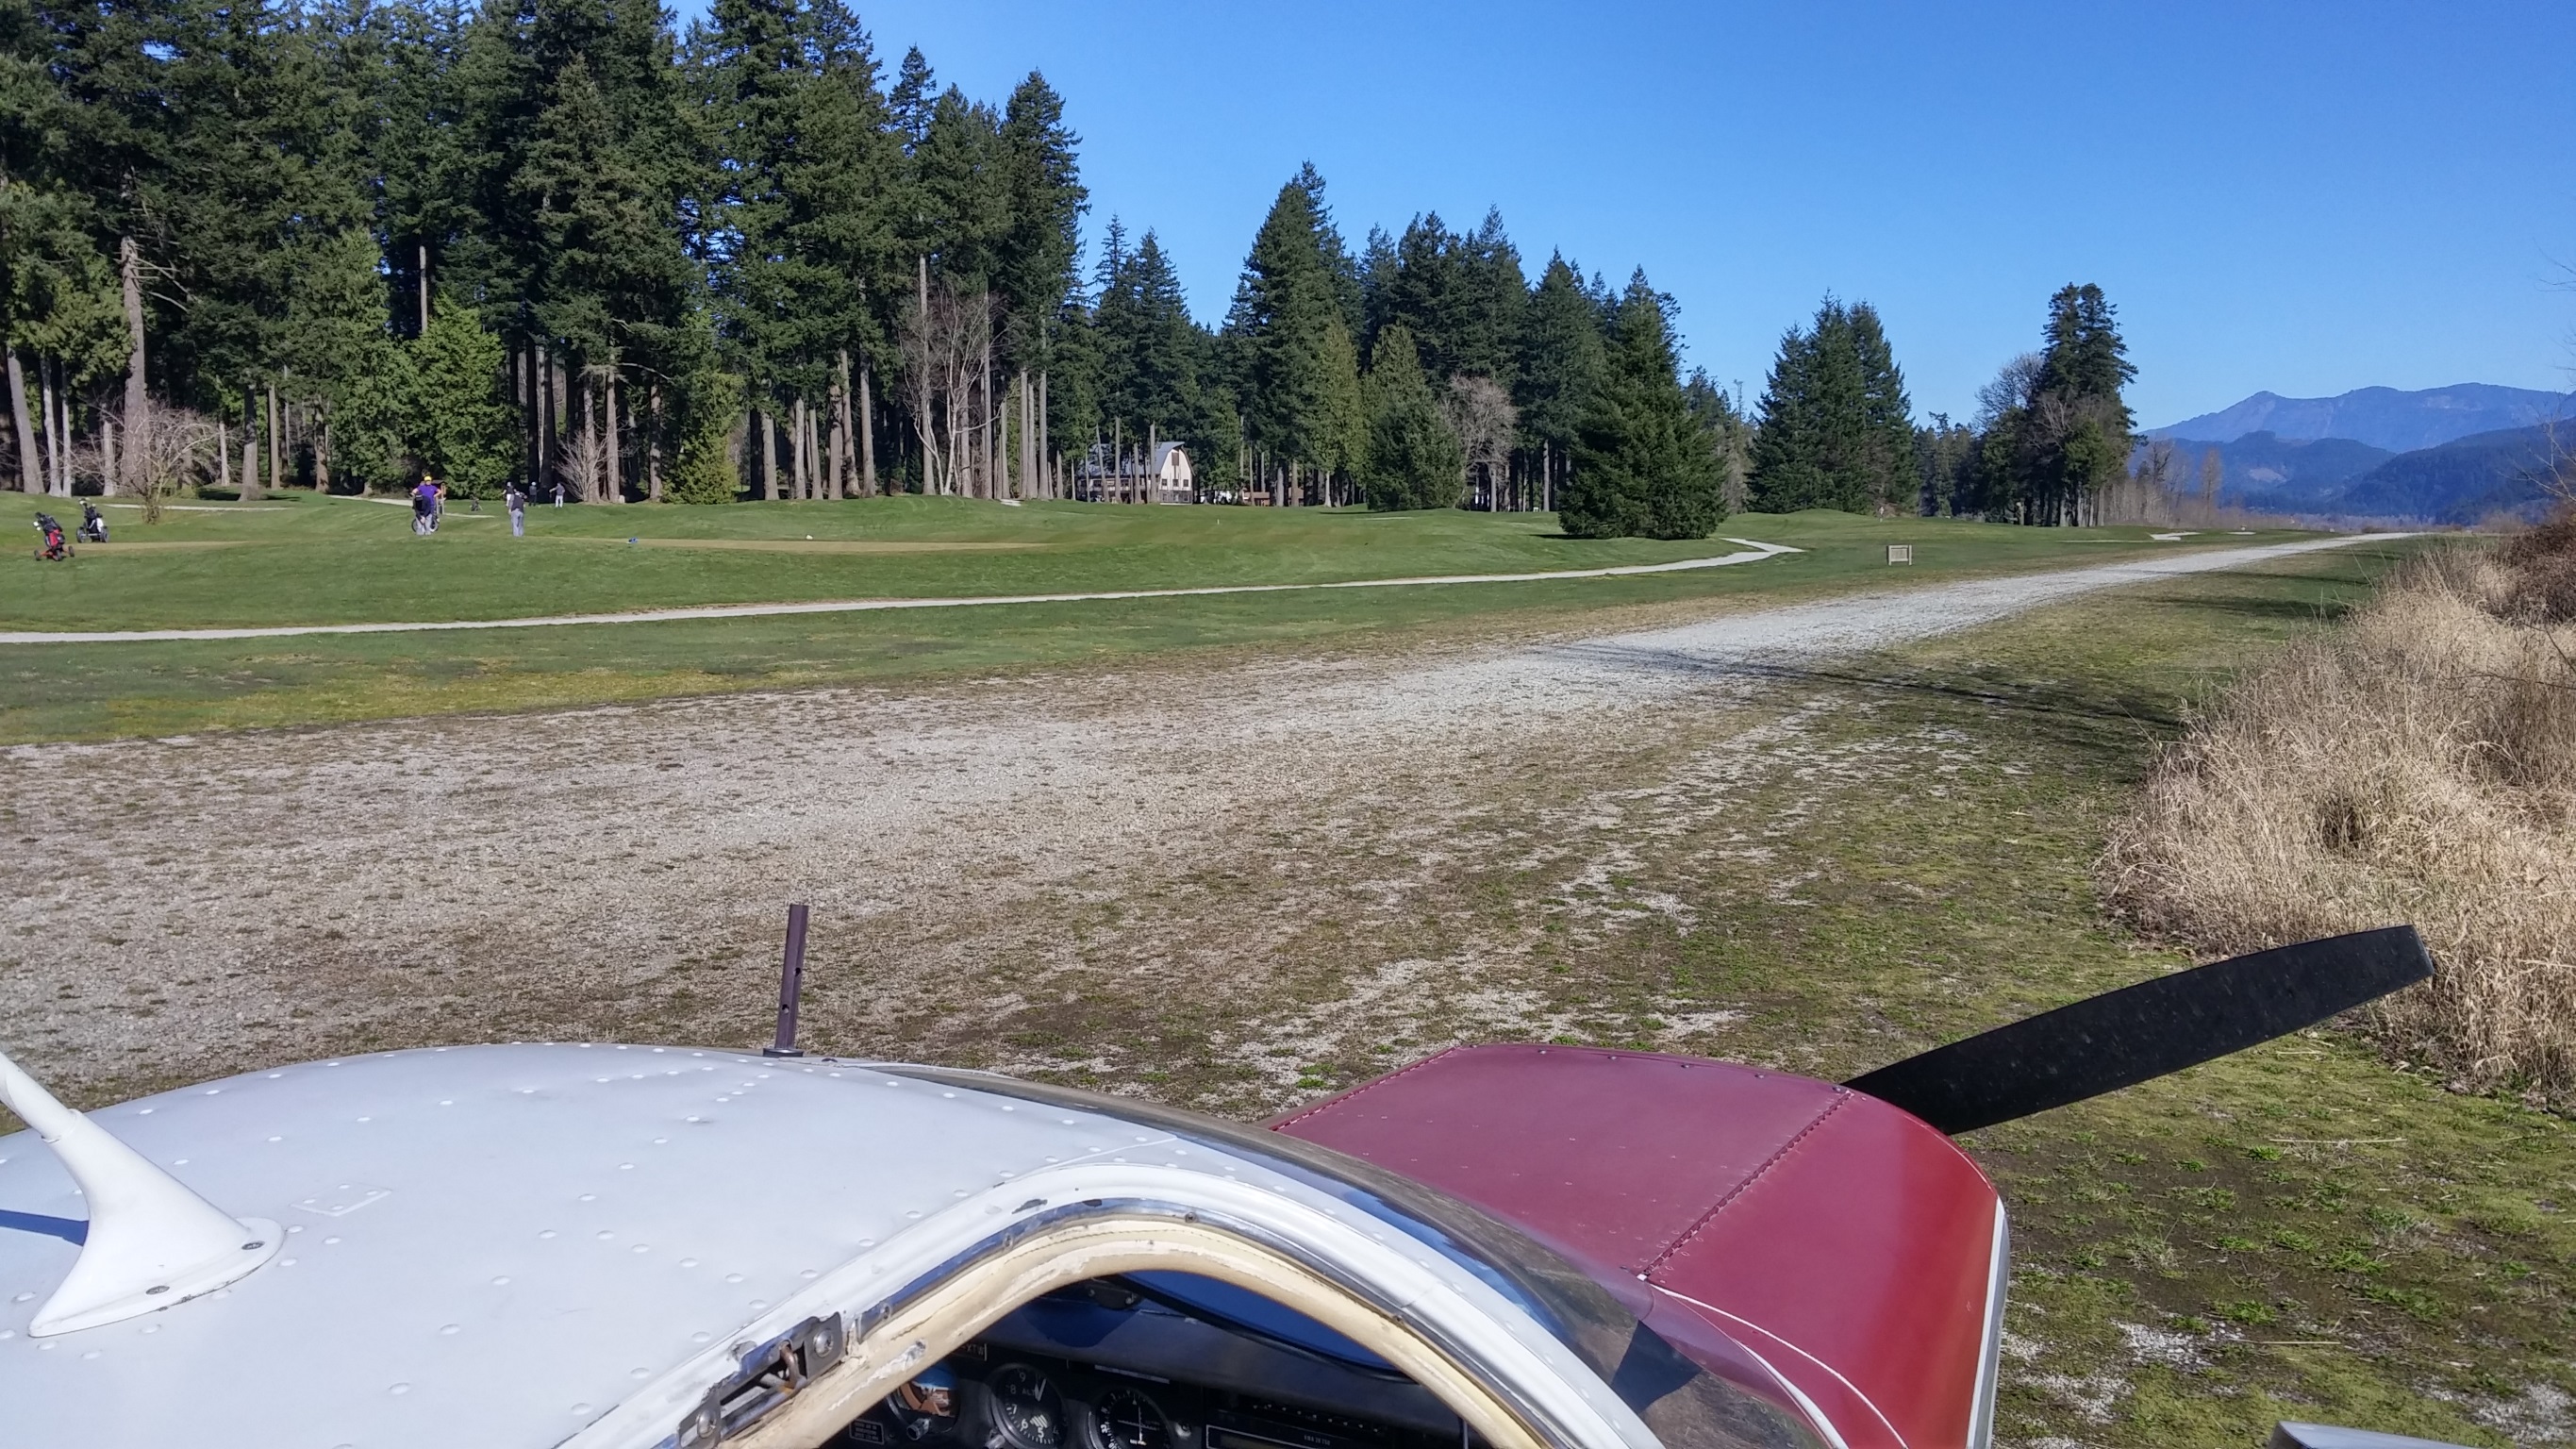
(2124, 1037)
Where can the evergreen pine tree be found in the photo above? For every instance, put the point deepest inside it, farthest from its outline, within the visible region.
(593, 216)
(1461, 295)
(1884, 451)
(497, 89)
(1300, 370)
(810, 163)
(1378, 272)
(2053, 429)
(914, 96)
(1412, 459)
(1561, 362)
(750, 73)
(1041, 252)
(1835, 430)
(1046, 199)
(2080, 377)
(1495, 294)
(63, 308)
(1642, 465)
(961, 214)
(1943, 452)
(459, 425)
(1428, 294)
(702, 468)
(1340, 267)
(842, 185)
(425, 176)
(1149, 349)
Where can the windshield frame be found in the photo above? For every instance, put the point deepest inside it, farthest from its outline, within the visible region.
(1681, 1401)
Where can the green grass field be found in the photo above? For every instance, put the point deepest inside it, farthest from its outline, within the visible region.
(301, 559)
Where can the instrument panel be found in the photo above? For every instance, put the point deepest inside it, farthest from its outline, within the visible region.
(1097, 1367)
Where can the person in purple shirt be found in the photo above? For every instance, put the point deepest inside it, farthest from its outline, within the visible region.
(424, 507)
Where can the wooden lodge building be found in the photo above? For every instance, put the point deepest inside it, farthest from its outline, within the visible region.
(1156, 473)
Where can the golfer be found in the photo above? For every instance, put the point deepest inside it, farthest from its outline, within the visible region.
(516, 498)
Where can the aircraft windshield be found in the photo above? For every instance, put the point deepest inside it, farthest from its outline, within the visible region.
(1222, 1302)
(1679, 1400)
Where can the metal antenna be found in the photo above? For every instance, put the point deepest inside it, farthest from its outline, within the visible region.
(791, 985)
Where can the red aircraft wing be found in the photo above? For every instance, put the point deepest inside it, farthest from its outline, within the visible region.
(1807, 1240)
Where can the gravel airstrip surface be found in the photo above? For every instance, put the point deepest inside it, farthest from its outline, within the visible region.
(1069, 872)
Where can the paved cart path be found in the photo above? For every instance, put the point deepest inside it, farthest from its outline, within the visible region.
(1752, 552)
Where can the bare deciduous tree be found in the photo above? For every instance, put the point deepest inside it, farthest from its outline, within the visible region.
(177, 451)
(2160, 466)
(1735, 466)
(580, 457)
(1480, 412)
(947, 343)
(2159, 493)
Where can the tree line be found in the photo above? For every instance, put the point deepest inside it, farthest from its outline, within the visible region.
(553, 240)
(2051, 442)
(340, 244)
(1428, 370)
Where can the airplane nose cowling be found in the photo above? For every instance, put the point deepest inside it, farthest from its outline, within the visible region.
(1845, 1245)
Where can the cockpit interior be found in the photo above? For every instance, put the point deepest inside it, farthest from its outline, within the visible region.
(1159, 1360)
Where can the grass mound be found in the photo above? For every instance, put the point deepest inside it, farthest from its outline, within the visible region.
(2417, 764)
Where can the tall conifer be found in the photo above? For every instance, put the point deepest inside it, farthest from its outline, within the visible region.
(2055, 430)
(1641, 463)
(1561, 362)
(1835, 429)
(1300, 368)
(1412, 458)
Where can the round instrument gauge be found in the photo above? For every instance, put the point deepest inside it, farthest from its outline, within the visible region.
(925, 1408)
(1026, 1408)
(1126, 1419)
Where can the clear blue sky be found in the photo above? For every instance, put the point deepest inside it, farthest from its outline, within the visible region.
(2300, 197)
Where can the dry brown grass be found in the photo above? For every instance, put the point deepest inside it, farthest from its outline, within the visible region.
(2417, 763)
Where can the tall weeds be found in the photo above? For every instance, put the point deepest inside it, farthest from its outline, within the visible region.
(2415, 764)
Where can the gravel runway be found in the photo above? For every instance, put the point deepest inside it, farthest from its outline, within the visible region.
(178, 908)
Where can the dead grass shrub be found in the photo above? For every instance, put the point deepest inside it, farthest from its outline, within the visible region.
(2416, 764)
(2540, 573)
(2555, 538)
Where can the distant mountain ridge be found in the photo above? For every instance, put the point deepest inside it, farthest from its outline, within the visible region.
(2383, 417)
(2465, 480)
(2269, 473)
